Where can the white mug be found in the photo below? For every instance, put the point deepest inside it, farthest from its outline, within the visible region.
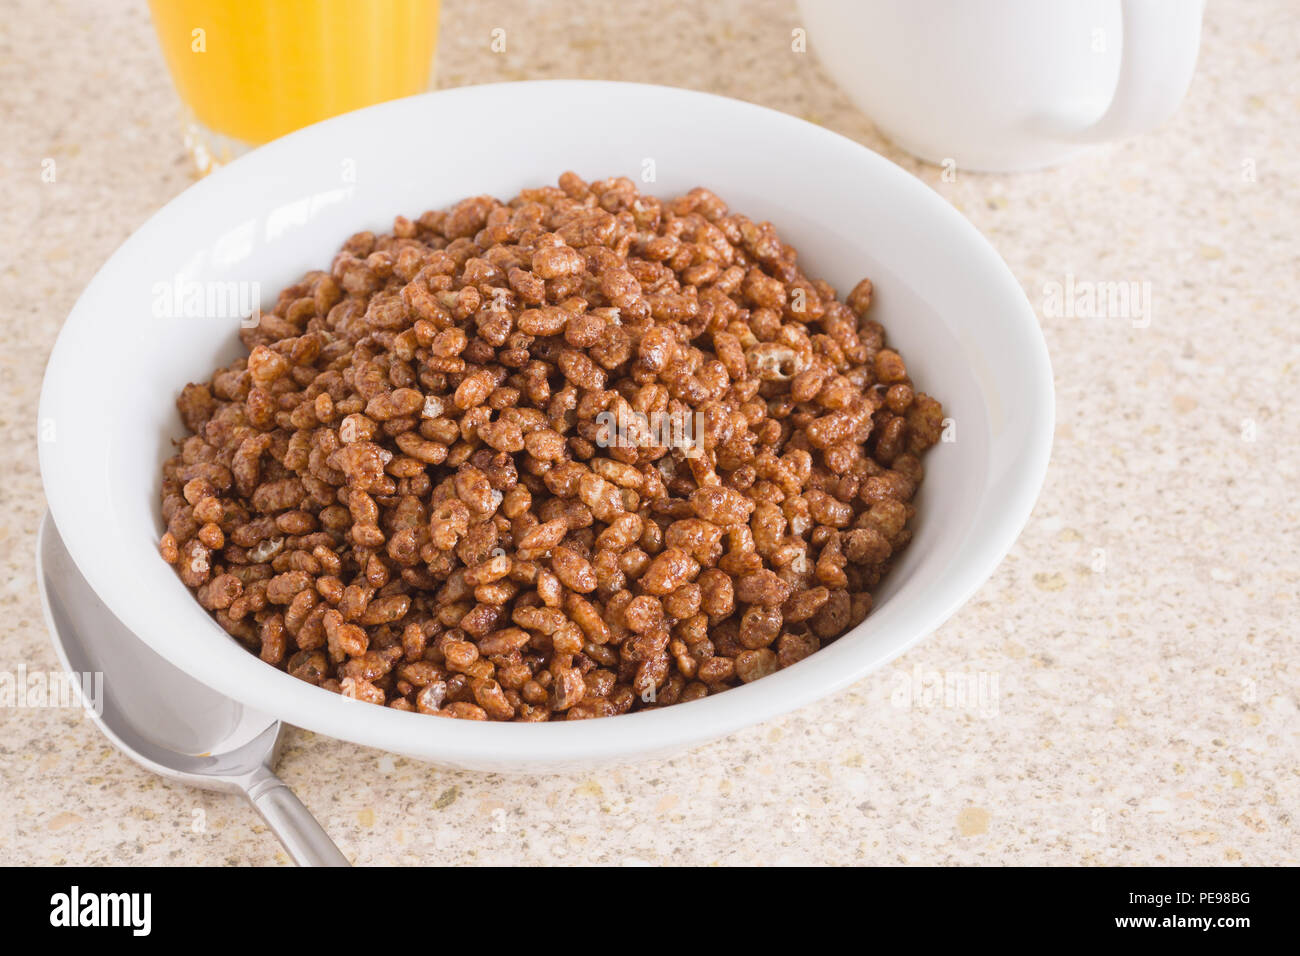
(1003, 85)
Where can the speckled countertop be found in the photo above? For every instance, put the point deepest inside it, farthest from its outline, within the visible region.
(1136, 649)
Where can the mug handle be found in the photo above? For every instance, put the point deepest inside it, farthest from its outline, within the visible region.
(1161, 40)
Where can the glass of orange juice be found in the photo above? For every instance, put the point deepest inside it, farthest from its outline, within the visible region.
(250, 70)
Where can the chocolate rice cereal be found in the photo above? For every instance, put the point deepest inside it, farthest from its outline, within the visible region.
(578, 454)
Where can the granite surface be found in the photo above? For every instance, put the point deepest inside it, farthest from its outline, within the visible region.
(1123, 690)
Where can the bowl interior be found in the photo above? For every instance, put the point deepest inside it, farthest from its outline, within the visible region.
(165, 311)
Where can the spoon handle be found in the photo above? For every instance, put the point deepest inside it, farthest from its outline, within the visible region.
(292, 822)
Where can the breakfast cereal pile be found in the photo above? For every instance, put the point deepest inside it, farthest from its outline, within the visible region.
(577, 454)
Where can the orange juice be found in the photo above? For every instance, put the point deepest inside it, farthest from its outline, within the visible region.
(252, 70)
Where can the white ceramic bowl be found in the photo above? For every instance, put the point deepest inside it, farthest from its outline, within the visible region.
(948, 302)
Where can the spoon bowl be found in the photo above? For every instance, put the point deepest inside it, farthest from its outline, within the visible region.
(162, 718)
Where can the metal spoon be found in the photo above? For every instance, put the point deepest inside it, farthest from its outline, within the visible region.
(165, 720)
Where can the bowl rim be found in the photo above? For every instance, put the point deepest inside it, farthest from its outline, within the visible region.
(626, 736)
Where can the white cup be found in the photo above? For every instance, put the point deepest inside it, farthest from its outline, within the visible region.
(1004, 85)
